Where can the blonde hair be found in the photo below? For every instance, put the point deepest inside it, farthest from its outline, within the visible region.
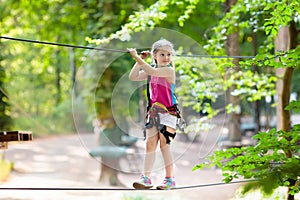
(162, 43)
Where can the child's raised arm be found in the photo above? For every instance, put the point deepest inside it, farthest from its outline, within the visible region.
(136, 74)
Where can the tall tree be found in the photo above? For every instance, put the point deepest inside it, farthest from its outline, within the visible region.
(5, 118)
(103, 78)
(233, 49)
(284, 41)
(282, 23)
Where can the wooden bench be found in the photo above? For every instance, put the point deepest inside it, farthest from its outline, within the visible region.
(226, 144)
(251, 127)
(9, 136)
(115, 151)
(248, 127)
(113, 146)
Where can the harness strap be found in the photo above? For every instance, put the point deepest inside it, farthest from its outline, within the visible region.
(167, 134)
(148, 93)
(171, 110)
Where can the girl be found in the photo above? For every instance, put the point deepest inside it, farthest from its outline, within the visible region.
(162, 114)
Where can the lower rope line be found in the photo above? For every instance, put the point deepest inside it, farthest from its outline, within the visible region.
(122, 189)
(66, 188)
(213, 184)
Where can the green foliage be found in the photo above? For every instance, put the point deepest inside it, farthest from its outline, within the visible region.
(267, 161)
(257, 16)
(39, 79)
(202, 77)
(294, 105)
(5, 119)
(149, 18)
(255, 86)
(189, 9)
(137, 22)
(279, 60)
(38, 76)
(280, 15)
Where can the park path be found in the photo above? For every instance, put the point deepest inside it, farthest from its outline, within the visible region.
(63, 162)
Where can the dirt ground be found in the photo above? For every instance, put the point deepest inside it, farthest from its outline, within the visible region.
(64, 162)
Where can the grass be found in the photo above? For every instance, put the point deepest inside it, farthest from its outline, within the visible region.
(278, 194)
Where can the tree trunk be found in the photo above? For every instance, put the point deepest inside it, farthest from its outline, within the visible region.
(283, 89)
(283, 85)
(109, 175)
(256, 104)
(286, 40)
(73, 70)
(5, 119)
(232, 48)
(58, 78)
(110, 165)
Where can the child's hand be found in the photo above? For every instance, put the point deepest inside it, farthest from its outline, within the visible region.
(132, 52)
(145, 54)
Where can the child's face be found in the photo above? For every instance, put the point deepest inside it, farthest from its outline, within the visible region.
(163, 56)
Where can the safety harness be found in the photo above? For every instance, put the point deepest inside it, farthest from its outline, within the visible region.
(153, 119)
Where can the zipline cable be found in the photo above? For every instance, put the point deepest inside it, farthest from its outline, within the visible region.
(62, 45)
(113, 50)
(120, 189)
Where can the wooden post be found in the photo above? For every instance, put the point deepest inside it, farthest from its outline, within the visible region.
(3, 145)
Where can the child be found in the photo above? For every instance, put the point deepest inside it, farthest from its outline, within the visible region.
(162, 114)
